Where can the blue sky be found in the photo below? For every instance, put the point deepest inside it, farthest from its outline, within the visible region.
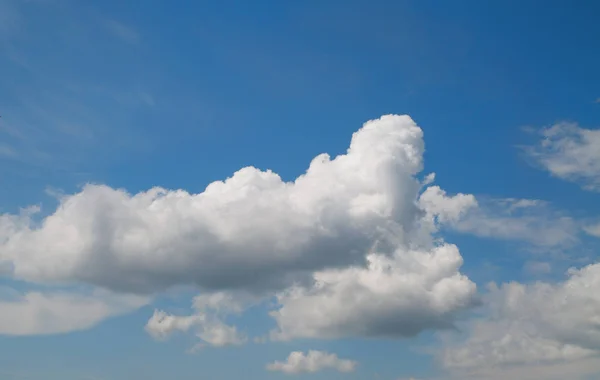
(104, 100)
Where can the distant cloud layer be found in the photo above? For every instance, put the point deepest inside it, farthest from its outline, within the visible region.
(541, 323)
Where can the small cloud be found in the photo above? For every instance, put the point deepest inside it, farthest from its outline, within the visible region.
(569, 152)
(207, 322)
(54, 192)
(593, 230)
(314, 361)
(123, 32)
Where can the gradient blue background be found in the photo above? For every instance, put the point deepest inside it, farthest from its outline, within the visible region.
(183, 93)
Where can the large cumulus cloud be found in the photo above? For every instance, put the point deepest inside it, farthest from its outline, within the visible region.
(252, 230)
(347, 248)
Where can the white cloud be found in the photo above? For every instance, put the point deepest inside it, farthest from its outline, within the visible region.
(257, 234)
(446, 209)
(570, 152)
(593, 229)
(398, 296)
(527, 220)
(37, 313)
(163, 325)
(314, 361)
(539, 324)
(347, 246)
(209, 330)
(206, 322)
(251, 231)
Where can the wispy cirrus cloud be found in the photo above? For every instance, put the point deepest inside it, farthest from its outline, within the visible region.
(62, 128)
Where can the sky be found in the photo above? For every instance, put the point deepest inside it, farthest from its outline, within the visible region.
(390, 190)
